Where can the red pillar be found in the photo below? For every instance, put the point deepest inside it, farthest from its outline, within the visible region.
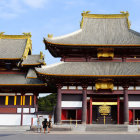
(126, 111)
(35, 101)
(90, 110)
(58, 107)
(118, 110)
(84, 105)
(133, 116)
(21, 122)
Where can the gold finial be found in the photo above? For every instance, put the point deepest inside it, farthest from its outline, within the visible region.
(122, 12)
(86, 12)
(50, 35)
(27, 34)
(127, 15)
(2, 33)
(41, 55)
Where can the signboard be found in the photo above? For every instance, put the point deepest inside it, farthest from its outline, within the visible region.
(104, 110)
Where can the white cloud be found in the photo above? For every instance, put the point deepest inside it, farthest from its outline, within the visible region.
(35, 3)
(10, 8)
(13, 8)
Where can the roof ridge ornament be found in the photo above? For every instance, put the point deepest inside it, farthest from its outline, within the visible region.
(27, 34)
(1, 34)
(50, 35)
(123, 14)
(127, 16)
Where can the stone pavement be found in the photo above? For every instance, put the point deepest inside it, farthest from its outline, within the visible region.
(26, 130)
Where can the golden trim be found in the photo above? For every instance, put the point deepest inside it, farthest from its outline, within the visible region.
(41, 55)
(88, 75)
(30, 100)
(6, 100)
(10, 58)
(21, 98)
(28, 47)
(32, 77)
(22, 84)
(24, 36)
(104, 85)
(100, 45)
(30, 64)
(15, 100)
(106, 16)
(104, 103)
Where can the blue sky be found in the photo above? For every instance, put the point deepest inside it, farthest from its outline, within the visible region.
(57, 17)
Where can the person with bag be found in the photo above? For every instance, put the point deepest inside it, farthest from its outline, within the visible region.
(49, 125)
(44, 123)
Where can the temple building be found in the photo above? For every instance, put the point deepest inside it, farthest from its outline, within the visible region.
(19, 85)
(98, 78)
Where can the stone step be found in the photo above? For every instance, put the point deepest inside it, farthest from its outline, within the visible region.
(106, 128)
(14, 128)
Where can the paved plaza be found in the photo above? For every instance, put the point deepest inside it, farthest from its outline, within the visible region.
(68, 136)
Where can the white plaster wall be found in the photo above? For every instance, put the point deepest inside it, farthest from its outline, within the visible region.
(32, 110)
(115, 88)
(131, 88)
(25, 110)
(79, 87)
(10, 119)
(27, 119)
(64, 87)
(120, 88)
(89, 88)
(138, 88)
(18, 110)
(71, 104)
(134, 104)
(72, 87)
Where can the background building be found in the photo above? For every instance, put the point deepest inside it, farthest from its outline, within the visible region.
(19, 85)
(98, 78)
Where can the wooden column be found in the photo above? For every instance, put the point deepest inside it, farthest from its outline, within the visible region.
(6, 100)
(58, 107)
(133, 116)
(35, 102)
(84, 105)
(126, 111)
(21, 122)
(118, 110)
(123, 59)
(15, 99)
(90, 110)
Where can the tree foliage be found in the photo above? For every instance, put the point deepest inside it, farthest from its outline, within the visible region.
(47, 103)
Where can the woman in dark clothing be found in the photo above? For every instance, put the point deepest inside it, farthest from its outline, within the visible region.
(49, 125)
(44, 123)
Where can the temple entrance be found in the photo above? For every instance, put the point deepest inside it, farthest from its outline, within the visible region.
(104, 112)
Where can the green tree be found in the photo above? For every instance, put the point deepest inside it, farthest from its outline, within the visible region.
(47, 103)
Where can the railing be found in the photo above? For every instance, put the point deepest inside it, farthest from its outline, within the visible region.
(137, 121)
(70, 121)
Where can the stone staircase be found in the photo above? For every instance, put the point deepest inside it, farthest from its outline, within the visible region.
(14, 128)
(107, 127)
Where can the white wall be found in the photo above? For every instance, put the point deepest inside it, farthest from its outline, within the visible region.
(10, 119)
(15, 119)
(71, 104)
(134, 104)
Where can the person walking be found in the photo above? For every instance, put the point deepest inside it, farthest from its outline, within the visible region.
(49, 125)
(44, 123)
